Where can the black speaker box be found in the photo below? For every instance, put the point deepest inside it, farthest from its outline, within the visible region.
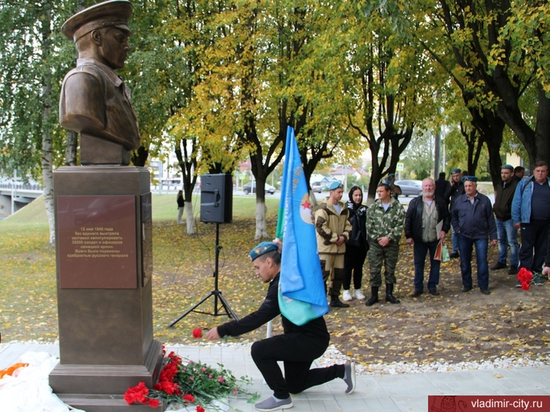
(216, 198)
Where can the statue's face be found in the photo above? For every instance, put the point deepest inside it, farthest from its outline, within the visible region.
(114, 48)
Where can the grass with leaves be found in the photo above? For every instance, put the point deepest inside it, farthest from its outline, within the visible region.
(452, 327)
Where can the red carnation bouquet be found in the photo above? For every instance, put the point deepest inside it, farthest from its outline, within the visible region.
(189, 382)
(525, 276)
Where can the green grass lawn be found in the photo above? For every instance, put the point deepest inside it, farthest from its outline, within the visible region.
(183, 268)
(453, 327)
(33, 216)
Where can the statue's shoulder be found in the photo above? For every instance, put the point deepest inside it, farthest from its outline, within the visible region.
(87, 68)
(80, 74)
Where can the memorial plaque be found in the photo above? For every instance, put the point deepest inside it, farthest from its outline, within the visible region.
(97, 242)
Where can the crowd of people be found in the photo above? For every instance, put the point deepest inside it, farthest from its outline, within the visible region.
(348, 233)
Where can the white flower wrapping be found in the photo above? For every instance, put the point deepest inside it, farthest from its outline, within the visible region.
(28, 390)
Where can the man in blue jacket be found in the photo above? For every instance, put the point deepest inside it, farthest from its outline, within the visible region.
(298, 347)
(472, 218)
(531, 213)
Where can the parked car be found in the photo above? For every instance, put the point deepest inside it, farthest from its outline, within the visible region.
(251, 187)
(319, 186)
(410, 187)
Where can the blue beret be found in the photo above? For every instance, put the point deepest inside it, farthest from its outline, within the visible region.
(384, 182)
(391, 175)
(335, 185)
(262, 249)
(509, 167)
(469, 178)
(456, 171)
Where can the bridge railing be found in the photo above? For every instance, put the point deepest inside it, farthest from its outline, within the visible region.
(20, 186)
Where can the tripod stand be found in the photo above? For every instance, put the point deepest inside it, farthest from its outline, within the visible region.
(215, 293)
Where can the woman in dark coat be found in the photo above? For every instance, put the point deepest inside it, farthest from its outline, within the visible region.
(357, 245)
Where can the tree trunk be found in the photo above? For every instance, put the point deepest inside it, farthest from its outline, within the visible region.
(189, 218)
(542, 132)
(185, 150)
(70, 149)
(47, 148)
(491, 128)
(261, 209)
(139, 156)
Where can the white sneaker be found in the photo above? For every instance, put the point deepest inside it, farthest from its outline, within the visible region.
(358, 294)
(347, 296)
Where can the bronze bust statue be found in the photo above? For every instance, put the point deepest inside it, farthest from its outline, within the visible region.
(94, 100)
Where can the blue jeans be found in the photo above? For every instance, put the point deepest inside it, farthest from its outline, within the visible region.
(465, 246)
(454, 238)
(420, 250)
(507, 236)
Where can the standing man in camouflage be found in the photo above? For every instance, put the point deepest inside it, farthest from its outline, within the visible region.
(332, 228)
(385, 221)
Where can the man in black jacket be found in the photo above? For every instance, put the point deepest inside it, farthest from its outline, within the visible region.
(298, 347)
(455, 189)
(441, 186)
(506, 232)
(424, 214)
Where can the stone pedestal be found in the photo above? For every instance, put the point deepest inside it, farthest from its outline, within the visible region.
(104, 286)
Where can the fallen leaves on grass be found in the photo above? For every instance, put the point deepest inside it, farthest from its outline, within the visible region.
(453, 327)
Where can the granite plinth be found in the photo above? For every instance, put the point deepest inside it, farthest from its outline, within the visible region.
(104, 285)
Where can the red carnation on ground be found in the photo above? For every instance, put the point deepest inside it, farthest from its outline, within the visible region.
(137, 394)
(171, 388)
(168, 373)
(174, 358)
(525, 276)
(194, 383)
(197, 333)
(189, 398)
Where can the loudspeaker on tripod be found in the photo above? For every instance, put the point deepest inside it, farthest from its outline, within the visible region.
(216, 198)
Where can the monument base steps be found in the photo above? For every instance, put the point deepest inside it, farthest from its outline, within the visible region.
(105, 403)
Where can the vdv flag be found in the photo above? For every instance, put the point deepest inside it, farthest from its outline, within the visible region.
(302, 294)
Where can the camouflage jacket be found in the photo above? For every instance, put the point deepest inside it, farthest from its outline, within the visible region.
(329, 225)
(388, 223)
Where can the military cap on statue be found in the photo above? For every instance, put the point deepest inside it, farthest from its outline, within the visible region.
(508, 167)
(111, 13)
(262, 249)
(469, 179)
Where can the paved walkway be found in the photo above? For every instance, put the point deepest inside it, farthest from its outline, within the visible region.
(374, 393)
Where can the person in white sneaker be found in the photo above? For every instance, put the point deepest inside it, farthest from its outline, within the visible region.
(357, 245)
(298, 347)
(332, 229)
